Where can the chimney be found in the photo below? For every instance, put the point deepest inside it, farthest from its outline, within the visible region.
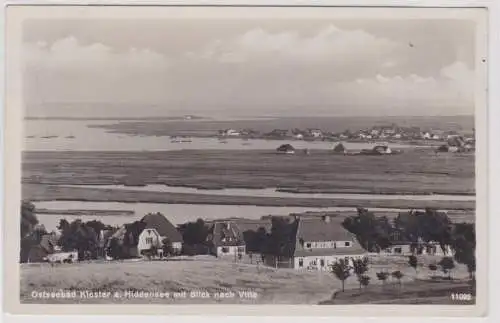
(326, 218)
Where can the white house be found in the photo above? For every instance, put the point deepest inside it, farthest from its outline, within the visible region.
(226, 239)
(231, 132)
(319, 243)
(426, 135)
(316, 133)
(158, 230)
(406, 248)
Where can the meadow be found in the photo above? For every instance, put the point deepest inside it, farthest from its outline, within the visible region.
(206, 273)
(415, 171)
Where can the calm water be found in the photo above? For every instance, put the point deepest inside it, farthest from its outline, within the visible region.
(176, 213)
(270, 192)
(76, 135)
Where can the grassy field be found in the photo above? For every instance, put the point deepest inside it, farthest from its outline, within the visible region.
(413, 172)
(204, 273)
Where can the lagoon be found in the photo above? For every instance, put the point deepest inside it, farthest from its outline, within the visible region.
(76, 135)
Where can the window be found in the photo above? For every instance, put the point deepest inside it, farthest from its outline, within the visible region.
(322, 262)
(241, 249)
(225, 249)
(347, 243)
(335, 245)
(308, 245)
(301, 262)
(149, 240)
(398, 250)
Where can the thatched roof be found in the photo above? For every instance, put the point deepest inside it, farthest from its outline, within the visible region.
(285, 147)
(340, 148)
(163, 226)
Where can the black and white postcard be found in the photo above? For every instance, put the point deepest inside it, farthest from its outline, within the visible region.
(246, 156)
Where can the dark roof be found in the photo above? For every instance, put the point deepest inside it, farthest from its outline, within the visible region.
(164, 227)
(253, 225)
(285, 147)
(226, 233)
(48, 243)
(317, 229)
(339, 148)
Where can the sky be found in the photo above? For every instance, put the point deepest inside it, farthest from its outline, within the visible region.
(248, 67)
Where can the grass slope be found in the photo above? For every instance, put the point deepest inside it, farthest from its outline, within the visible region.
(203, 273)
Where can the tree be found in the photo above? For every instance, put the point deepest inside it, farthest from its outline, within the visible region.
(114, 249)
(132, 232)
(281, 241)
(398, 275)
(256, 241)
(360, 267)
(364, 280)
(194, 233)
(463, 243)
(429, 225)
(28, 218)
(341, 270)
(447, 264)
(29, 233)
(413, 262)
(382, 276)
(167, 247)
(371, 232)
(81, 237)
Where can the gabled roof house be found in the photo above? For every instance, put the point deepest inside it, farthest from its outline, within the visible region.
(157, 230)
(320, 241)
(226, 239)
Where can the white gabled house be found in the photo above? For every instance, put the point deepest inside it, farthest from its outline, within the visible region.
(321, 241)
(157, 230)
(318, 243)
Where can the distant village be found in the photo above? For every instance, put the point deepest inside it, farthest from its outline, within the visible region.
(447, 141)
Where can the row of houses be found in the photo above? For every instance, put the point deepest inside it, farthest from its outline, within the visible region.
(316, 242)
(374, 133)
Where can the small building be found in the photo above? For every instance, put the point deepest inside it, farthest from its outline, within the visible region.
(157, 230)
(231, 133)
(226, 239)
(340, 149)
(316, 133)
(63, 257)
(286, 149)
(406, 248)
(426, 135)
(382, 149)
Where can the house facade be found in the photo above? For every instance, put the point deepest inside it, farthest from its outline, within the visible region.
(156, 232)
(322, 241)
(405, 248)
(226, 239)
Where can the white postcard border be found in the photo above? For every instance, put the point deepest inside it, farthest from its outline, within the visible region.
(12, 144)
